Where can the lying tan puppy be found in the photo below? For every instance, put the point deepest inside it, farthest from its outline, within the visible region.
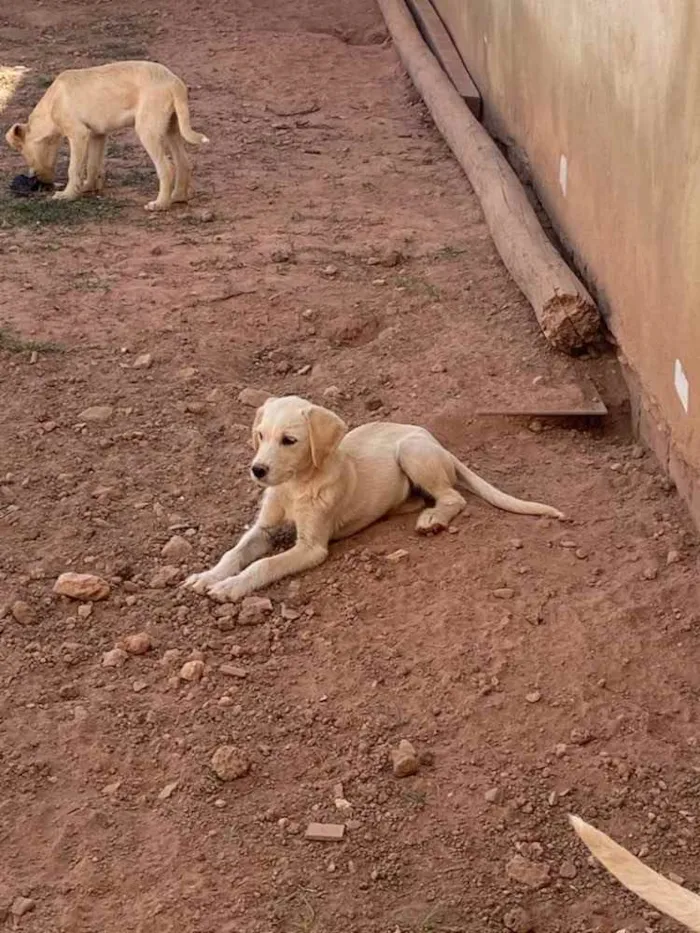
(666, 896)
(87, 103)
(330, 484)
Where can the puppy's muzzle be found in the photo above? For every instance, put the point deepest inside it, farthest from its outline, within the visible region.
(259, 471)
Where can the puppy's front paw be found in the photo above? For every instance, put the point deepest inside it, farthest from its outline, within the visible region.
(227, 591)
(201, 582)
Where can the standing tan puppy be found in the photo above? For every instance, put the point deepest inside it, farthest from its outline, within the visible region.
(330, 484)
(86, 104)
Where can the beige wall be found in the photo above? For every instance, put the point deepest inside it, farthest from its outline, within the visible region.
(614, 87)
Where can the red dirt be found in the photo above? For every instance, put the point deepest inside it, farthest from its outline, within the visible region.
(579, 692)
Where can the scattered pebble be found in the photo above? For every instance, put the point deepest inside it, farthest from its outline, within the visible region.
(254, 610)
(504, 592)
(494, 795)
(22, 612)
(21, 906)
(567, 870)
(329, 271)
(192, 671)
(396, 556)
(518, 920)
(168, 790)
(325, 832)
(96, 413)
(163, 577)
(85, 586)
(114, 658)
(524, 871)
(533, 697)
(228, 764)
(673, 557)
(144, 361)
(253, 398)
(177, 549)
(404, 761)
(233, 670)
(140, 643)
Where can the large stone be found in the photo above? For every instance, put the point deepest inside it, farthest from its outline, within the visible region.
(85, 586)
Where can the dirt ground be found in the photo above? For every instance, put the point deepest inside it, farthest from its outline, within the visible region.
(335, 250)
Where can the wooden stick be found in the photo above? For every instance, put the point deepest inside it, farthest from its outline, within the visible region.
(566, 312)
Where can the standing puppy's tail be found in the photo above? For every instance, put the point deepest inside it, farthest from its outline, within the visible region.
(501, 500)
(667, 896)
(183, 116)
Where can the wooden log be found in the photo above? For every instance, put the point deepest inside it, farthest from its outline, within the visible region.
(565, 311)
(443, 48)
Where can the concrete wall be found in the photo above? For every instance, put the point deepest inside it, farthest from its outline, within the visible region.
(604, 97)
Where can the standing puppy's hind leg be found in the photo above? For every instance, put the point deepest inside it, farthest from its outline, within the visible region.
(429, 468)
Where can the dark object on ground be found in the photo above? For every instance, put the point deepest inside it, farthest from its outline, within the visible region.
(24, 185)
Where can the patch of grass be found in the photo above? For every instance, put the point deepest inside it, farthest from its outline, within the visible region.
(413, 284)
(39, 212)
(449, 252)
(15, 343)
(89, 282)
(138, 178)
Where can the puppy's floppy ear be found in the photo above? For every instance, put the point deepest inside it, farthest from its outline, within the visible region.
(254, 443)
(15, 135)
(326, 430)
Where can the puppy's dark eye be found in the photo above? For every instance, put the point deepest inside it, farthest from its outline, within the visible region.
(287, 441)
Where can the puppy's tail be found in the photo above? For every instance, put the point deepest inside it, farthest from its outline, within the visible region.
(501, 500)
(182, 111)
(666, 896)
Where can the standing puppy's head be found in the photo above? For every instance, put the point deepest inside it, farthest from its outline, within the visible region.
(39, 153)
(291, 438)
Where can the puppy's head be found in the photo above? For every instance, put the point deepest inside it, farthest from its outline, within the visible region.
(292, 437)
(39, 153)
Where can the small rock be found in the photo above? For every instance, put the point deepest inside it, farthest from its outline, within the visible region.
(168, 790)
(567, 870)
(404, 761)
(304, 370)
(568, 543)
(206, 216)
(373, 403)
(560, 749)
(253, 398)
(163, 577)
(114, 658)
(96, 413)
(254, 610)
(503, 592)
(518, 921)
(494, 795)
(325, 832)
(144, 361)
(580, 736)
(170, 657)
(110, 789)
(85, 611)
(650, 573)
(69, 692)
(396, 556)
(85, 586)
(192, 671)
(233, 670)
(138, 686)
(21, 906)
(331, 392)
(533, 697)
(531, 874)
(676, 879)
(329, 271)
(581, 553)
(228, 764)
(177, 549)
(22, 612)
(516, 543)
(342, 805)
(672, 557)
(140, 643)
(282, 254)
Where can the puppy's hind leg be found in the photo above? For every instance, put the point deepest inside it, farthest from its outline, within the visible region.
(181, 187)
(151, 127)
(429, 468)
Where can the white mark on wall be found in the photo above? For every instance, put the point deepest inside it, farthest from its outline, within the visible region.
(680, 380)
(563, 173)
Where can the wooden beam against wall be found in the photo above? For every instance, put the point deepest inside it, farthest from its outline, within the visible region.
(443, 48)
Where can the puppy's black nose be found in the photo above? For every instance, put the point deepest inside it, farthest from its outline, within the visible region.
(259, 471)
